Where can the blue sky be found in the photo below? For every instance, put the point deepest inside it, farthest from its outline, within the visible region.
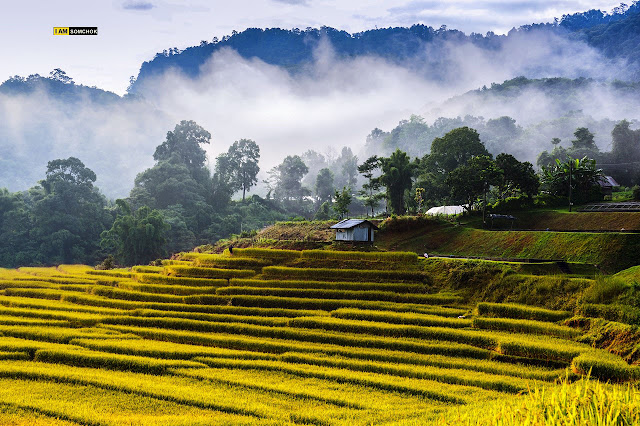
(132, 31)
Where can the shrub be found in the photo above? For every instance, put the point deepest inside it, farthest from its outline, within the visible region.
(605, 290)
(615, 312)
(511, 204)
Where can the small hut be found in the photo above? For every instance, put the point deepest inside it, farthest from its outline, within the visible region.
(358, 230)
(607, 183)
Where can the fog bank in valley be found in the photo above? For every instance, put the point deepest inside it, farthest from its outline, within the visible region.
(333, 102)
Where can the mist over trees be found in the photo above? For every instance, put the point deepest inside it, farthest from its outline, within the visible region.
(179, 203)
(187, 186)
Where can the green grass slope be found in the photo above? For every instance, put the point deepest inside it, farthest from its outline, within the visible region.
(610, 251)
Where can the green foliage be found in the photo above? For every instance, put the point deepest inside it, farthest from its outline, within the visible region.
(397, 173)
(183, 143)
(517, 178)
(605, 290)
(512, 204)
(137, 237)
(285, 183)
(241, 165)
(581, 175)
(473, 179)
(370, 190)
(453, 150)
(342, 201)
(68, 213)
(324, 186)
(324, 212)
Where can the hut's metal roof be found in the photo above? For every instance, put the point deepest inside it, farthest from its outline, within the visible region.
(351, 223)
(608, 181)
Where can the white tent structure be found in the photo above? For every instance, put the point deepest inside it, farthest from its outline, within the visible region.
(445, 210)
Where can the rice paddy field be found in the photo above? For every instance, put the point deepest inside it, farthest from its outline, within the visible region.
(254, 338)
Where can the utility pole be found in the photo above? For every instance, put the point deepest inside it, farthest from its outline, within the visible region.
(570, 189)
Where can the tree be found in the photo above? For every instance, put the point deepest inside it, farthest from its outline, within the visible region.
(625, 143)
(453, 150)
(397, 172)
(546, 159)
(470, 181)
(343, 200)
(18, 246)
(625, 154)
(286, 179)
(324, 186)
(584, 144)
(61, 76)
(68, 213)
(345, 168)
(419, 198)
(183, 145)
(136, 237)
(370, 190)
(167, 184)
(324, 212)
(517, 177)
(315, 162)
(243, 157)
(576, 177)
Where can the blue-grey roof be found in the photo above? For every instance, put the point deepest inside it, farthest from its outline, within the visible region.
(351, 223)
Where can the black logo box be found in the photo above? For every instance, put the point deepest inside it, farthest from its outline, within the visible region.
(83, 30)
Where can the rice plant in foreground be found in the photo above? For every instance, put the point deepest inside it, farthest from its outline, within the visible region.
(585, 402)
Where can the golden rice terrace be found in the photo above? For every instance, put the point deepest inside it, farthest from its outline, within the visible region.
(284, 337)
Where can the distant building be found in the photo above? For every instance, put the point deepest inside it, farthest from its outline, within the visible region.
(359, 230)
(607, 183)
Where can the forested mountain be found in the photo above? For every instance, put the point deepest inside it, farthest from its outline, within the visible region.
(616, 35)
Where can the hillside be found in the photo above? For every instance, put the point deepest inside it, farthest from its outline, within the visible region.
(251, 338)
(609, 251)
(613, 34)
